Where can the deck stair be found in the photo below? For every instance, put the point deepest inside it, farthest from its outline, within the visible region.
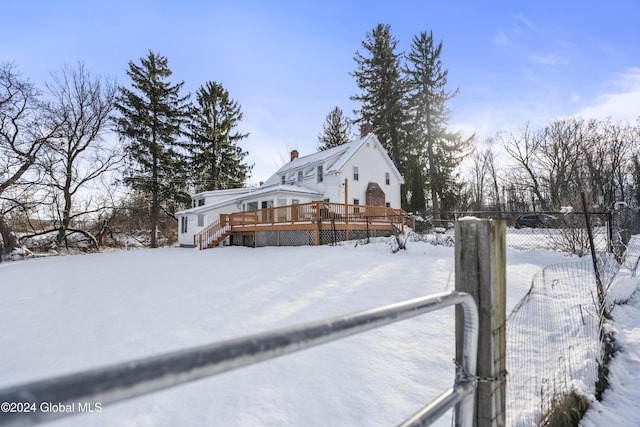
(214, 234)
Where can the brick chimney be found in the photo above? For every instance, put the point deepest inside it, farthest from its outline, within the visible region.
(294, 155)
(365, 129)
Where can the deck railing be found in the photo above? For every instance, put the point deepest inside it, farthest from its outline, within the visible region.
(346, 215)
(317, 211)
(140, 377)
(213, 232)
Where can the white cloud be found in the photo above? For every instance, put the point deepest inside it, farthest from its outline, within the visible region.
(500, 38)
(522, 21)
(622, 102)
(548, 59)
(618, 100)
(520, 24)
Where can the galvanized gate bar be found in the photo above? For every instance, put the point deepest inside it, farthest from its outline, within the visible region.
(463, 390)
(139, 377)
(447, 400)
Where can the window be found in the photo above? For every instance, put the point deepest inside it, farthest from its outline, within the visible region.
(356, 201)
(299, 176)
(387, 178)
(200, 202)
(295, 201)
(319, 173)
(388, 204)
(252, 206)
(183, 224)
(200, 220)
(356, 173)
(282, 179)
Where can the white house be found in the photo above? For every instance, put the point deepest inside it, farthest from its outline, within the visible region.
(362, 167)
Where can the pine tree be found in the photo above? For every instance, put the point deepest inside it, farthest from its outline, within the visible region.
(442, 150)
(335, 130)
(152, 118)
(415, 179)
(382, 101)
(217, 160)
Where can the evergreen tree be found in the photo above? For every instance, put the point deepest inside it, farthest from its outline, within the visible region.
(217, 160)
(383, 93)
(335, 130)
(427, 97)
(153, 114)
(415, 179)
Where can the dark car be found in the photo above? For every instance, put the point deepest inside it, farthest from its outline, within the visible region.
(534, 220)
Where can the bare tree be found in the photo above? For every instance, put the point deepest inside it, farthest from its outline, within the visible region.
(24, 130)
(492, 172)
(80, 107)
(565, 142)
(616, 142)
(573, 155)
(478, 177)
(484, 187)
(525, 149)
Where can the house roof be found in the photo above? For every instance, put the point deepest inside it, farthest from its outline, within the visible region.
(354, 147)
(334, 159)
(226, 192)
(326, 156)
(289, 189)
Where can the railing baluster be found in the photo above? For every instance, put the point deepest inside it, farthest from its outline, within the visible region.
(317, 211)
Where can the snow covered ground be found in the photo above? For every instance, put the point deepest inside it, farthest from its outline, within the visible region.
(619, 406)
(65, 314)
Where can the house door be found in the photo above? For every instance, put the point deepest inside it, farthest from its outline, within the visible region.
(281, 212)
(375, 195)
(267, 212)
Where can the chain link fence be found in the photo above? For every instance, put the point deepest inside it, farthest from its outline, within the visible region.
(556, 231)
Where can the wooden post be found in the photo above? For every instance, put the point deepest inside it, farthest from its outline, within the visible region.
(317, 239)
(480, 270)
(346, 208)
(346, 194)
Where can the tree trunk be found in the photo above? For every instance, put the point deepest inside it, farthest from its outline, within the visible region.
(432, 181)
(155, 205)
(66, 212)
(9, 241)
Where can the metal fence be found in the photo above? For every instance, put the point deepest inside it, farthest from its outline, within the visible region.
(561, 354)
(136, 378)
(557, 231)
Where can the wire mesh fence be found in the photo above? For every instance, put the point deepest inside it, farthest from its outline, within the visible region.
(557, 231)
(556, 342)
(553, 342)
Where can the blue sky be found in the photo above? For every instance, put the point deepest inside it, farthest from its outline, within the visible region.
(287, 63)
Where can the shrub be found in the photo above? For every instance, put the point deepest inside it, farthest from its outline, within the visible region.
(566, 411)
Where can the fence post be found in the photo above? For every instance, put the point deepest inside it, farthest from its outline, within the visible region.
(594, 258)
(480, 270)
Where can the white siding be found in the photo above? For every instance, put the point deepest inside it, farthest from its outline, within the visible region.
(372, 167)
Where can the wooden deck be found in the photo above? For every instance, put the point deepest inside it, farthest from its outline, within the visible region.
(312, 220)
